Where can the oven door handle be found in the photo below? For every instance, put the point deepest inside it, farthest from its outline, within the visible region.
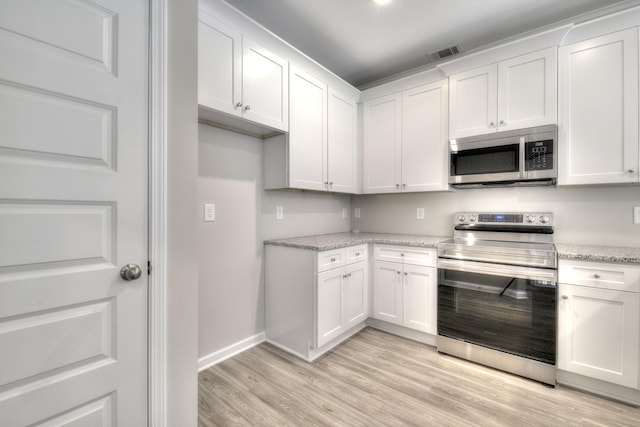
(499, 269)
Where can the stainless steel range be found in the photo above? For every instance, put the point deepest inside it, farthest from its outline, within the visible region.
(497, 292)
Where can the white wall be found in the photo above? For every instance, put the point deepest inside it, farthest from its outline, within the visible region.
(594, 215)
(229, 255)
(182, 270)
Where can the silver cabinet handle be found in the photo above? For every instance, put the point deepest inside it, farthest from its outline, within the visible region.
(397, 185)
(247, 107)
(397, 272)
(565, 297)
(596, 276)
(404, 185)
(491, 124)
(401, 254)
(406, 274)
(501, 122)
(333, 260)
(631, 171)
(131, 272)
(238, 104)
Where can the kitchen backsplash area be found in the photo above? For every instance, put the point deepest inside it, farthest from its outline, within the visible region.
(592, 216)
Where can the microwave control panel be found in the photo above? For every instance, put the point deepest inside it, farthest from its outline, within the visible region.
(539, 155)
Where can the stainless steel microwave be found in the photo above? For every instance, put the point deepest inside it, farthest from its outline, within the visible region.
(512, 158)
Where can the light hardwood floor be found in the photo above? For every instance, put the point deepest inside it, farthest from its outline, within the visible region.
(377, 379)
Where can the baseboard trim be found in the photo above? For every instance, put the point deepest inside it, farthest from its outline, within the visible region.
(216, 357)
(403, 332)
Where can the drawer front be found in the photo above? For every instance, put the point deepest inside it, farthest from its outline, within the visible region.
(600, 275)
(407, 255)
(357, 253)
(331, 259)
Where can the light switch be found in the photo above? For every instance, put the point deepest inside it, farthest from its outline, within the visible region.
(419, 213)
(209, 212)
(636, 214)
(279, 212)
(356, 213)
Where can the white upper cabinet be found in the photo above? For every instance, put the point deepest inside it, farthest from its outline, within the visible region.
(307, 131)
(405, 140)
(239, 78)
(598, 110)
(320, 151)
(342, 137)
(516, 93)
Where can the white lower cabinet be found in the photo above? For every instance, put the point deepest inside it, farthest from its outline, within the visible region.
(313, 299)
(405, 287)
(599, 321)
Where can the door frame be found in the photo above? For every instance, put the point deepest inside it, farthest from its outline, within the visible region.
(157, 315)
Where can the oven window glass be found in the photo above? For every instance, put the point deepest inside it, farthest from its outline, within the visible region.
(508, 314)
(503, 158)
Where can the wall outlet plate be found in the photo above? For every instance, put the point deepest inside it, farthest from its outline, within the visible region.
(636, 214)
(356, 213)
(419, 213)
(279, 212)
(209, 212)
(345, 213)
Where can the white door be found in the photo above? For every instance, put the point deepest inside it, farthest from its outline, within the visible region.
(527, 90)
(382, 144)
(473, 102)
(341, 143)
(330, 320)
(73, 211)
(420, 293)
(307, 132)
(598, 106)
(387, 291)
(599, 333)
(424, 137)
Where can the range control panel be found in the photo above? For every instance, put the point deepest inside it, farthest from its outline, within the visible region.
(511, 218)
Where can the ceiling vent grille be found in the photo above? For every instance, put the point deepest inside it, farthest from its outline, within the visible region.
(444, 53)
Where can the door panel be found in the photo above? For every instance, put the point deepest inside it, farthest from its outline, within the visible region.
(356, 295)
(473, 102)
(387, 292)
(420, 293)
(341, 156)
(73, 210)
(330, 303)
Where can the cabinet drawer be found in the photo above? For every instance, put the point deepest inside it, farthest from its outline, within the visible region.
(406, 255)
(331, 259)
(357, 253)
(600, 275)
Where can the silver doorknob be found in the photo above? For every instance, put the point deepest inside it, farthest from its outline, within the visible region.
(131, 272)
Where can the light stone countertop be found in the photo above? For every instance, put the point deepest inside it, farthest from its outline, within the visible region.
(325, 242)
(622, 255)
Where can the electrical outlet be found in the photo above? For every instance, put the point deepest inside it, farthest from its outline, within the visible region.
(279, 212)
(345, 212)
(419, 213)
(209, 212)
(636, 214)
(356, 213)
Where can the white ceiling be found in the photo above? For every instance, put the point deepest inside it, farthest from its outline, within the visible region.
(363, 42)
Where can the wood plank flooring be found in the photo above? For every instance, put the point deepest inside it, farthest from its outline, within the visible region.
(377, 379)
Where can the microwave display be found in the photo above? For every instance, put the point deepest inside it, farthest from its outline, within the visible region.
(539, 155)
(498, 159)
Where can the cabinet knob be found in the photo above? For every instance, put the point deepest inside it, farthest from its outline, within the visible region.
(357, 253)
(397, 185)
(401, 254)
(406, 274)
(596, 276)
(565, 297)
(492, 124)
(247, 107)
(397, 272)
(238, 104)
(404, 185)
(333, 260)
(631, 171)
(501, 122)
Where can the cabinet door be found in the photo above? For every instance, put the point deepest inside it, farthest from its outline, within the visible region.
(424, 137)
(219, 66)
(382, 144)
(387, 292)
(527, 90)
(599, 333)
(473, 102)
(355, 294)
(341, 156)
(307, 131)
(330, 300)
(598, 121)
(265, 86)
(419, 295)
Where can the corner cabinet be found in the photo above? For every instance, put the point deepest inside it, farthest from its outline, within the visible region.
(405, 287)
(599, 321)
(319, 152)
(314, 300)
(237, 78)
(405, 140)
(516, 93)
(598, 105)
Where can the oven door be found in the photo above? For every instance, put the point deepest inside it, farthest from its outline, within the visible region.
(505, 308)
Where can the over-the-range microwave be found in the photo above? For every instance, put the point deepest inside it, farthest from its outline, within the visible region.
(511, 158)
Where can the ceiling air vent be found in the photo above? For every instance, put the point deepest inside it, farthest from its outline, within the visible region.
(444, 53)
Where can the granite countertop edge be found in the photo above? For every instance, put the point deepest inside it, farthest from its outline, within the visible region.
(578, 252)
